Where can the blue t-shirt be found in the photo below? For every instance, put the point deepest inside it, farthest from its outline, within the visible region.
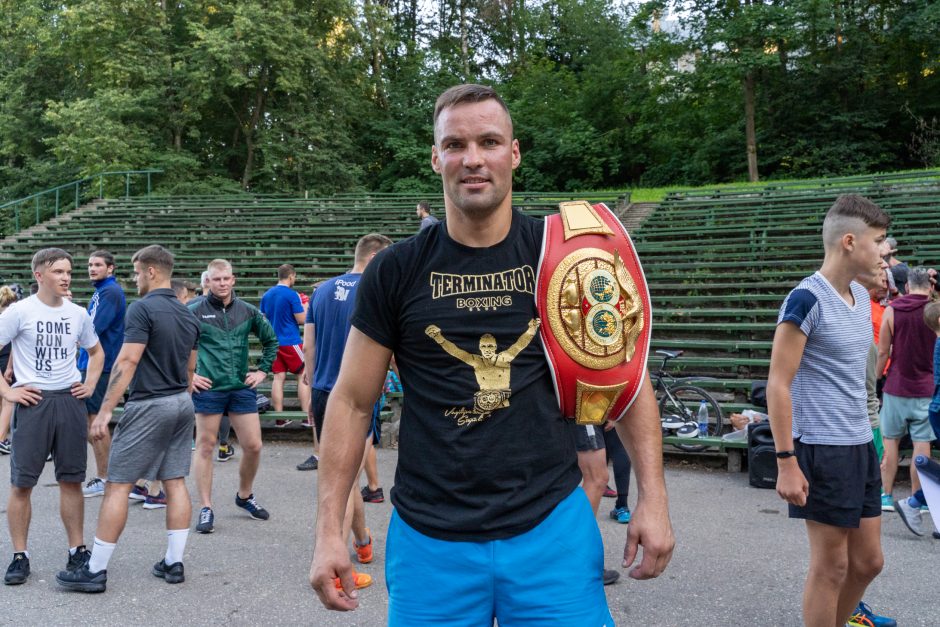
(830, 401)
(107, 308)
(330, 311)
(279, 304)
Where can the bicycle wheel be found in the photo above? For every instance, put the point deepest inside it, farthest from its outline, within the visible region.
(684, 402)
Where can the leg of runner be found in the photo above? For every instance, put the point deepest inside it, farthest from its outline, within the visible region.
(207, 430)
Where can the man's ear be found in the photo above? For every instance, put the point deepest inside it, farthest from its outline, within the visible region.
(848, 242)
(435, 160)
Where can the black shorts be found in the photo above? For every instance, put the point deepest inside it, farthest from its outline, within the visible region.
(318, 409)
(57, 425)
(844, 483)
(317, 413)
(93, 402)
(589, 438)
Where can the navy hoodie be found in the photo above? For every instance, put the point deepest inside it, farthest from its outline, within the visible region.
(107, 308)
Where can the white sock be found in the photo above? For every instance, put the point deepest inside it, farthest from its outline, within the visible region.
(175, 543)
(72, 550)
(26, 553)
(100, 556)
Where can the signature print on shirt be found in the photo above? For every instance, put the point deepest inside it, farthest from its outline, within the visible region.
(490, 368)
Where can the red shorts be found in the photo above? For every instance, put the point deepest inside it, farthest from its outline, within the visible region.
(289, 359)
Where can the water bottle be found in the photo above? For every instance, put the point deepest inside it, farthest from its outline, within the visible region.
(703, 419)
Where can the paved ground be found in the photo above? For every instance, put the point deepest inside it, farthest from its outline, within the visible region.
(739, 560)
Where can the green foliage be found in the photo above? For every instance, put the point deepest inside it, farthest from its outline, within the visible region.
(287, 96)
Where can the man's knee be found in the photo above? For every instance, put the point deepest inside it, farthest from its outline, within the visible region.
(866, 568)
(250, 446)
(20, 494)
(830, 572)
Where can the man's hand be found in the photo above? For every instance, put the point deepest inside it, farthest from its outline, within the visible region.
(534, 324)
(331, 560)
(201, 383)
(81, 391)
(99, 426)
(26, 395)
(792, 485)
(305, 379)
(434, 332)
(254, 378)
(650, 528)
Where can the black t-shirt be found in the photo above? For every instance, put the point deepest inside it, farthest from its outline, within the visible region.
(484, 452)
(170, 331)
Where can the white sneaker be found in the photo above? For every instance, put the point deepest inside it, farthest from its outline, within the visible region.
(95, 487)
(911, 516)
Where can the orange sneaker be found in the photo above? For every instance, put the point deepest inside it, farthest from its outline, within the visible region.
(364, 553)
(362, 581)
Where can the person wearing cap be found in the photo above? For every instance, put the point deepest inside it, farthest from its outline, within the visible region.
(898, 269)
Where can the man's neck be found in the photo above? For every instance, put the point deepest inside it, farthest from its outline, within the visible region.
(285, 283)
(50, 299)
(838, 276)
(161, 285)
(358, 268)
(482, 232)
(924, 292)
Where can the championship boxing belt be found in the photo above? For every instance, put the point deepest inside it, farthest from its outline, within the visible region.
(594, 306)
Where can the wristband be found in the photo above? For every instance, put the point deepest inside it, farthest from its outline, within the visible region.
(785, 454)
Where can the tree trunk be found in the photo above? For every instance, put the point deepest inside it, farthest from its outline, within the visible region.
(749, 131)
(464, 47)
(260, 99)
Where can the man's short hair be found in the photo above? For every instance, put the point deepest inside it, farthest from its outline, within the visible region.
(219, 264)
(424, 206)
(849, 214)
(371, 244)
(918, 278)
(932, 315)
(48, 256)
(204, 279)
(156, 256)
(285, 271)
(105, 255)
(892, 245)
(467, 93)
(179, 287)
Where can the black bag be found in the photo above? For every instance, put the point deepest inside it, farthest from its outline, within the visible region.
(759, 393)
(761, 456)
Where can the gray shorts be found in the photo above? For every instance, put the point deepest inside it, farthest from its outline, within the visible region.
(153, 440)
(57, 425)
(589, 438)
(901, 415)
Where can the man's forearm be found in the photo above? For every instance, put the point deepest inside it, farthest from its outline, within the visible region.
(121, 375)
(342, 447)
(95, 366)
(641, 435)
(781, 415)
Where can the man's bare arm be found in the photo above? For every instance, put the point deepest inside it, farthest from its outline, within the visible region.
(434, 332)
(650, 527)
(885, 338)
(348, 416)
(510, 353)
(121, 374)
(310, 351)
(785, 357)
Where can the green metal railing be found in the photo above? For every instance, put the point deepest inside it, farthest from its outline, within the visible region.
(48, 203)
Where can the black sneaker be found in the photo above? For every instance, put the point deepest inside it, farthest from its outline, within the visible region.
(373, 496)
(251, 506)
(5, 447)
(18, 570)
(610, 576)
(83, 580)
(79, 559)
(206, 520)
(171, 574)
(312, 463)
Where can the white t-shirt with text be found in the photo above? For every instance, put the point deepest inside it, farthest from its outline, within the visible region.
(45, 342)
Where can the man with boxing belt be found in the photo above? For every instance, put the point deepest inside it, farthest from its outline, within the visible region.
(592, 294)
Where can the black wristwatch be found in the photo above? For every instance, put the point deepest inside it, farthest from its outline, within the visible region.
(785, 454)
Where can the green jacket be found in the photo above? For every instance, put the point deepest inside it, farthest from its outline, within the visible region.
(223, 341)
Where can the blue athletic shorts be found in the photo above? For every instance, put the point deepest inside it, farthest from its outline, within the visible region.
(243, 401)
(93, 402)
(550, 575)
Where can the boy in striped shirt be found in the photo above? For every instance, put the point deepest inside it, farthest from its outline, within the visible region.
(828, 470)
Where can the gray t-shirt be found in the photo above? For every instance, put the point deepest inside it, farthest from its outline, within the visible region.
(428, 221)
(830, 402)
(171, 332)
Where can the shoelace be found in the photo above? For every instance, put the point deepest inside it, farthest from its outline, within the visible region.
(250, 502)
(205, 516)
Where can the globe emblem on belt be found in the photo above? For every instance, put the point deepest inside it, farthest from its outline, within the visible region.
(603, 324)
(602, 287)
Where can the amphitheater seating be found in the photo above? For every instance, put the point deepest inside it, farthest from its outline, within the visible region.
(718, 263)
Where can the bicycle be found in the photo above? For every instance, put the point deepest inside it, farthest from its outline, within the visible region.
(679, 402)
